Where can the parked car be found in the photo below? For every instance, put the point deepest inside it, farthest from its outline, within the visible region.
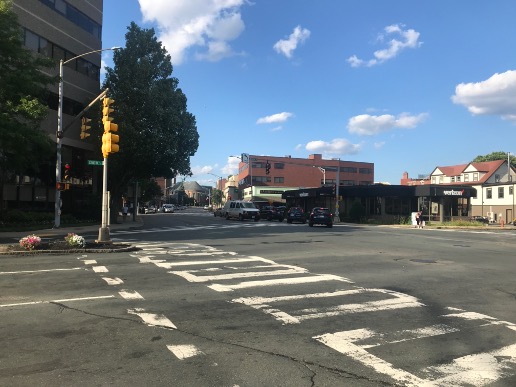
(150, 210)
(241, 209)
(320, 215)
(481, 219)
(218, 212)
(272, 213)
(296, 214)
(168, 208)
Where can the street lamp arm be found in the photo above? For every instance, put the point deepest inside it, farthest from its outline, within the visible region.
(90, 52)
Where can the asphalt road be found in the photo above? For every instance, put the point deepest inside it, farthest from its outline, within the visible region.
(211, 302)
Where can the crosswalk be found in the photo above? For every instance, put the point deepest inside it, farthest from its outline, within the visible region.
(422, 345)
(223, 226)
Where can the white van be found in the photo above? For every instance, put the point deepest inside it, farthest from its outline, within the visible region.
(241, 210)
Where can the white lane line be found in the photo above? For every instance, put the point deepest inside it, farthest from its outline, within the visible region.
(90, 262)
(38, 271)
(113, 281)
(338, 341)
(190, 277)
(152, 319)
(63, 300)
(170, 265)
(479, 369)
(488, 320)
(282, 281)
(100, 269)
(398, 301)
(402, 301)
(184, 351)
(366, 338)
(130, 295)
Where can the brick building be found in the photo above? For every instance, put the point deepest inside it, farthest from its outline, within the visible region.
(287, 173)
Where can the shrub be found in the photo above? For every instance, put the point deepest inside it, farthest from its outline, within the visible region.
(30, 242)
(75, 240)
(357, 212)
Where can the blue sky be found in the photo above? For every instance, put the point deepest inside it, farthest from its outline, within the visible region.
(407, 85)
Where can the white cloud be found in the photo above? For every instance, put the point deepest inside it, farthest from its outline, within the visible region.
(231, 167)
(368, 125)
(198, 170)
(275, 118)
(335, 146)
(206, 24)
(494, 96)
(276, 128)
(409, 39)
(378, 145)
(287, 46)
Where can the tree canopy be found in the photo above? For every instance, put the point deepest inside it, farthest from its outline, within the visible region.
(493, 156)
(157, 133)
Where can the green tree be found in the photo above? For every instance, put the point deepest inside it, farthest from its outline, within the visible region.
(23, 87)
(216, 196)
(493, 156)
(150, 190)
(157, 133)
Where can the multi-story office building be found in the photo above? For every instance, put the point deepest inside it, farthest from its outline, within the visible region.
(63, 29)
(287, 173)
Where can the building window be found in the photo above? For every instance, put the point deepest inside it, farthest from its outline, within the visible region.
(500, 192)
(489, 193)
(440, 179)
(497, 178)
(466, 177)
(364, 183)
(279, 166)
(279, 179)
(347, 182)
(41, 45)
(475, 176)
(457, 179)
(510, 190)
(262, 179)
(349, 169)
(75, 16)
(365, 171)
(433, 179)
(453, 179)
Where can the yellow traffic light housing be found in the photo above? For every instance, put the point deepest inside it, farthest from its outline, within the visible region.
(109, 143)
(109, 140)
(85, 126)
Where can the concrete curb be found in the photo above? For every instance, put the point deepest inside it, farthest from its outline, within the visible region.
(70, 251)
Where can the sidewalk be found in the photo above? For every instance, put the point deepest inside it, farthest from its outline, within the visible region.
(58, 233)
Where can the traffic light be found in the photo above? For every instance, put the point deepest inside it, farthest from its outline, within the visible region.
(60, 186)
(109, 140)
(334, 189)
(267, 167)
(67, 171)
(85, 127)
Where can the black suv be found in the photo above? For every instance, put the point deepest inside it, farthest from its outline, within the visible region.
(321, 215)
(272, 213)
(296, 214)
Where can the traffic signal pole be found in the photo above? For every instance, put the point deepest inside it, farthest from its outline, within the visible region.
(104, 228)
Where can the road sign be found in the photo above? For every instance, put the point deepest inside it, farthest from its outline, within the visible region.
(95, 162)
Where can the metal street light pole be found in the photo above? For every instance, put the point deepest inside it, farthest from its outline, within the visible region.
(59, 133)
(324, 174)
(337, 210)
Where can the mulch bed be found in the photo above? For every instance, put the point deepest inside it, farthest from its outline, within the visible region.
(62, 246)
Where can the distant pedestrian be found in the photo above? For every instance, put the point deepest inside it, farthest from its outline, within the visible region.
(125, 210)
(419, 219)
